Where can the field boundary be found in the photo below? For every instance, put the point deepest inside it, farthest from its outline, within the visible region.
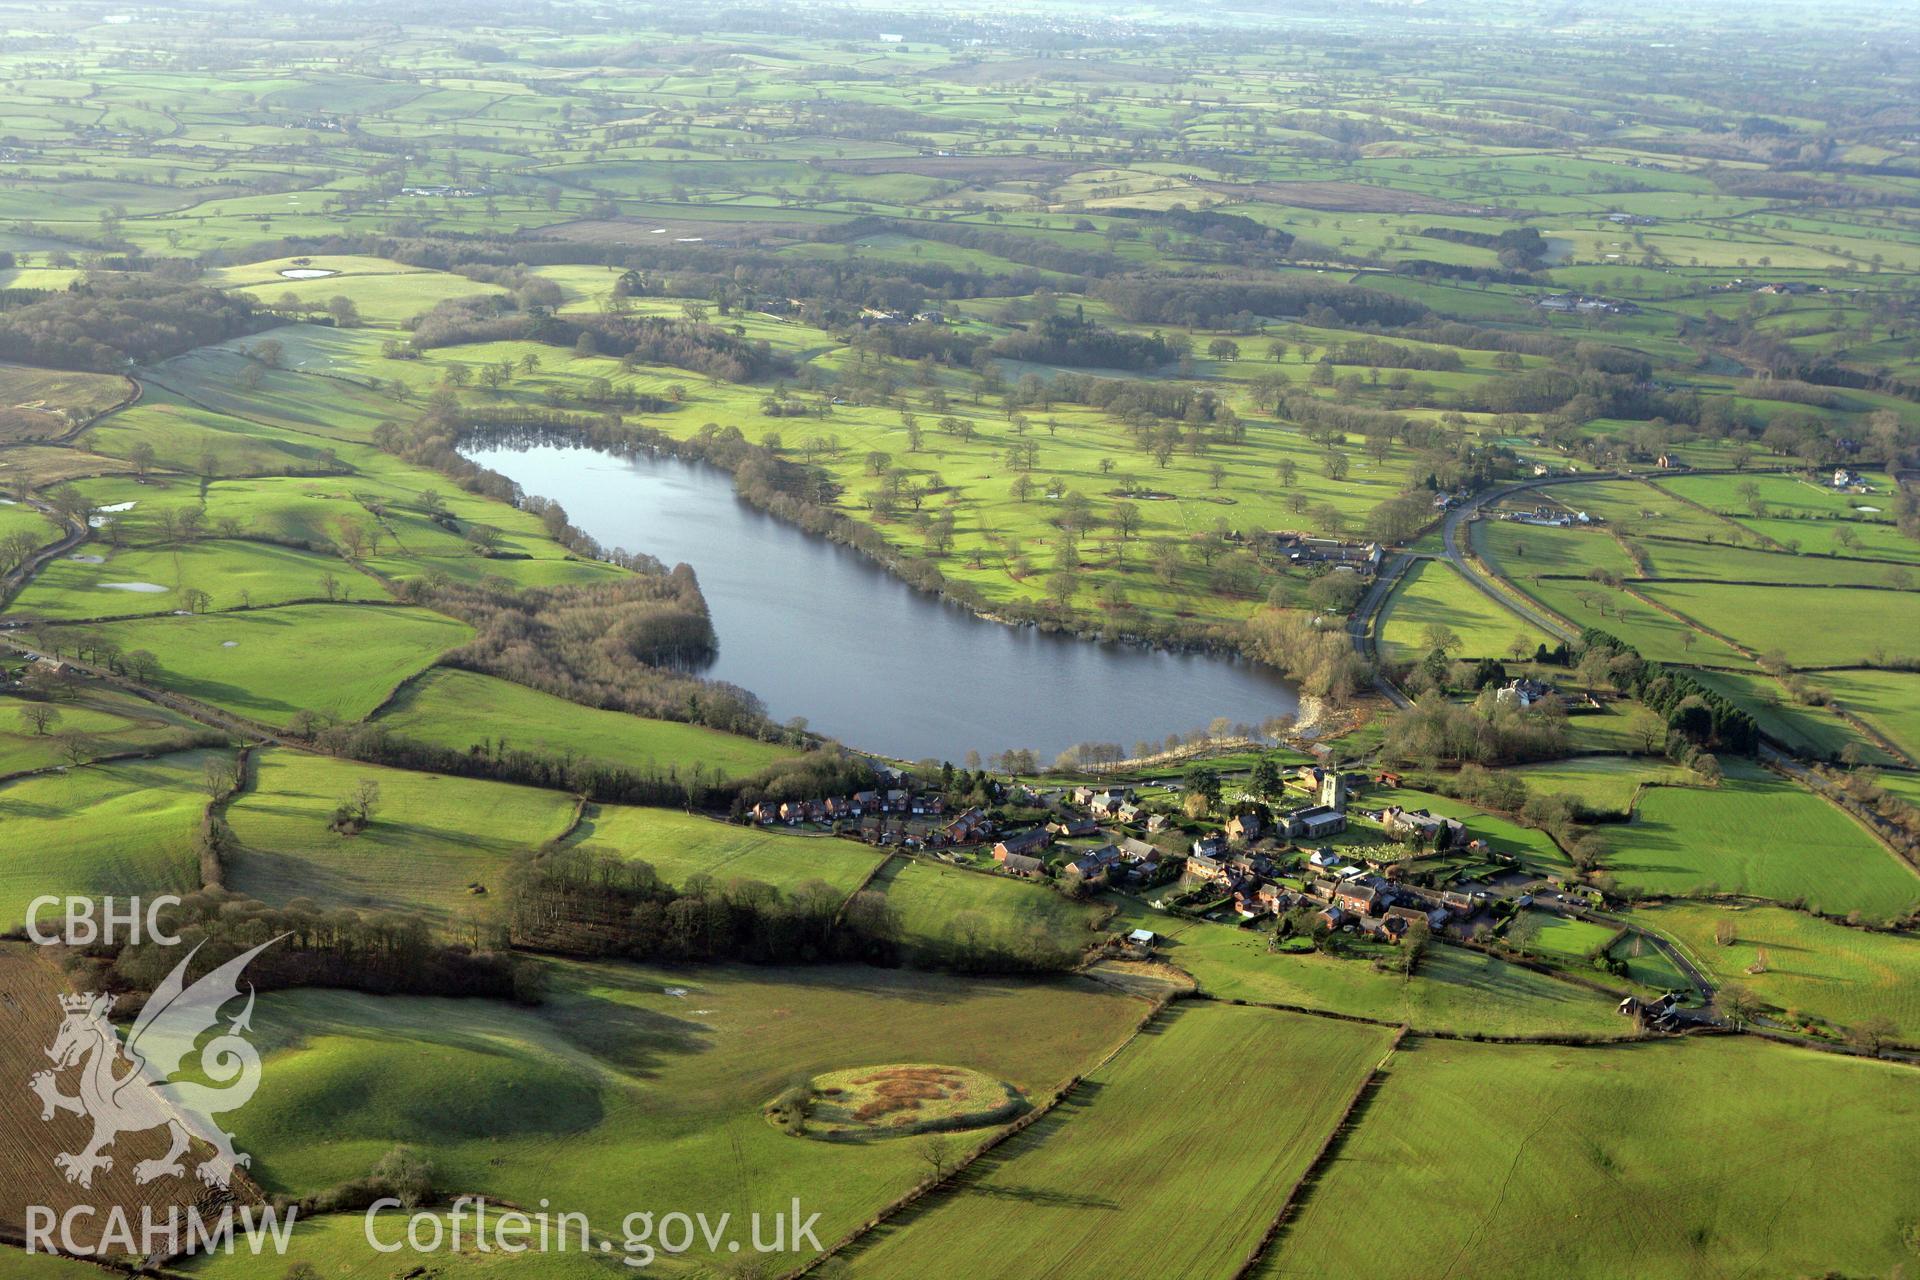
(1329, 1145)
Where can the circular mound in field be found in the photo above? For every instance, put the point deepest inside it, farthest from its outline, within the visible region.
(894, 1101)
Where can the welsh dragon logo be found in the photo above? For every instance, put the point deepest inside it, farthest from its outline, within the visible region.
(144, 1096)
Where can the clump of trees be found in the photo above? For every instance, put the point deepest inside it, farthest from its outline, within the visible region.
(1320, 659)
(1694, 713)
(586, 901)
(106, 322)
(1486, 731)
(385, 953)
(1080, 343)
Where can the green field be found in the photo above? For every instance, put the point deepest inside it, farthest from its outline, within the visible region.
(945, 912)
(1565, 940)
(634, 1088)
(1762, 838)
(1055, 1200)
(1829, 971)
(105, 720)
(1453, 989)
(1433, 594)
(231, 574)
(1603, 784)
(462, 709)
(272, 664)
(1623, 1150)
(679, 845)
(126, 828)
(1816, 626)
(431, 839)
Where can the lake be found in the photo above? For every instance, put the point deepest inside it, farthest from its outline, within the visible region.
(820, 631)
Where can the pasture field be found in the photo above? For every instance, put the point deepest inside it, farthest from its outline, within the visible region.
(45, 404)
(1433, 594)
(1648, 965)
(273, 664)
(16, 517)
(1818, 626)
(1453, 989)
(1889, 701)
(1757, 837)
(431, 837)
(1823, 970)
(1524, 551)
(335, 1245)
(153, 580)
(1656, 634)
(123, 827)
(947, 912)
(679, 846)
(1622, 1149)
(1603, 784)
(463, 709)
(107, 721)
(1044, 1203)
(1808, 730)
(1565, 940)
(641, 1087)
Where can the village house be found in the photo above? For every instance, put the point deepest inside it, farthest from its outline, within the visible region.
(1244, 828)
(1157, 822)
(1522, 693)
(1024, 842)
(1094, 867)
(1424, 827)
(1129, 813)
(1460, 906)
(1362, 558)
(1019, 864)
(1067, 828)
(1332, 917)
(968, 825)
(1210, 847)
(1104, 804)
(1274, 899)
(1403, 918)
(1360, 899)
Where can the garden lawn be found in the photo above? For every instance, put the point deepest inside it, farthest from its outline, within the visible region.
(1576, 1163)
(431, 838)
(1124, 1171)
(337, 660)
(462, 709)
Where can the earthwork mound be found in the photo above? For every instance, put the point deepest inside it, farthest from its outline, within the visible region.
(894, 1101)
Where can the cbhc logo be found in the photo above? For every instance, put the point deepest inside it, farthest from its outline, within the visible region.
(85, 923)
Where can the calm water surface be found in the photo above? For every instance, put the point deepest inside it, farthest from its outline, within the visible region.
(820, 631)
